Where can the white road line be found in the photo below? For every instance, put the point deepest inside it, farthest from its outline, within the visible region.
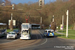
(38, 44)
(45, 40)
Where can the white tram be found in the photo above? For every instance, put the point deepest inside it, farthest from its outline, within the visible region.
(25, 31)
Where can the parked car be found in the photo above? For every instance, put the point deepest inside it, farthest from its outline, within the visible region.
(17, 31)
(11, 35)
(49, 32)
(3, 32)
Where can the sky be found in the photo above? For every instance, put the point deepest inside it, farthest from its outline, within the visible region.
(26, 1)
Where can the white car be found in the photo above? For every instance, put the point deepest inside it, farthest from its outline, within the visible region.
(49, 32)
(11, 35)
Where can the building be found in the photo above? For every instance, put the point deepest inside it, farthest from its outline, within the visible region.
(41, 3)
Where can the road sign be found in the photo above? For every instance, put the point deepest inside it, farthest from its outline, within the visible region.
(61, 27)
(14, 22)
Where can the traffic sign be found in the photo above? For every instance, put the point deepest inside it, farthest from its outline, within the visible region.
(14, 22)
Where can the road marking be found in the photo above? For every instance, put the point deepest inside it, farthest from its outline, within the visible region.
(37, 37)
(9, 41)
(38, 44)
(41, 43)
(45, 40)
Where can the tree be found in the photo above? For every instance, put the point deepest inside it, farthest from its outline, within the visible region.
(53, 26)
(7, 2)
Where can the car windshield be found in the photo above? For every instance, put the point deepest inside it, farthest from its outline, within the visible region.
(16, 30)
(11, 33)
(49, 31)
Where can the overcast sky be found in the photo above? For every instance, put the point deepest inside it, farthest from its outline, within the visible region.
(26, 1)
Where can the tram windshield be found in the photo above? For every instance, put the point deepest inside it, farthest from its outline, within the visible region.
(25, 26)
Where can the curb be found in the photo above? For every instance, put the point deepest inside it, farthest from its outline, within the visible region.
(65, 38)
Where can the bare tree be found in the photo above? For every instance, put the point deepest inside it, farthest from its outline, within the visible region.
(7, 2)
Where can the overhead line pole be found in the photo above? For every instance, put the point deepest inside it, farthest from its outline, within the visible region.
(67, 13)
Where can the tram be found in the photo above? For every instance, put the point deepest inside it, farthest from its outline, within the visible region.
(25, 31)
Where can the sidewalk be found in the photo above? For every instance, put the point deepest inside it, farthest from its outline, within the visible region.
(60, 32)
(71, 41)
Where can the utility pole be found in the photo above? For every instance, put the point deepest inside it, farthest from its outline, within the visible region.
(53, 18)
(11, 22)
(41, 22)
(62, 22)
(67, 13)
(11, 16)
(12, 9)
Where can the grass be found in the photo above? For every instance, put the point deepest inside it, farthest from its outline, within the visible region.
(8, 30)
(71, 34)
(69, 27)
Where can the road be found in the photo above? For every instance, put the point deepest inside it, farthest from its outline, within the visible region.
(4, 39)
(38, 42)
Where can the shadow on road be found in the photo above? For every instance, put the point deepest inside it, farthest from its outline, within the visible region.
(51, 37)
(4, 37)
(36, 36)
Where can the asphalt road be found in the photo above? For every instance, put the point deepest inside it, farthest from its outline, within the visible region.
(16, 44)
(52, 43)
(5, 40)
(38, 42)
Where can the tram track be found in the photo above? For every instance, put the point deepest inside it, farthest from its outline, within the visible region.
(17, 44)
